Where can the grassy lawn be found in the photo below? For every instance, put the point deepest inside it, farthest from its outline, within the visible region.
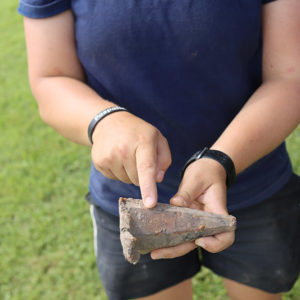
(46, 249)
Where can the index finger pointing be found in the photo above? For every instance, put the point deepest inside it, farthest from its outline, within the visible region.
(146, 160)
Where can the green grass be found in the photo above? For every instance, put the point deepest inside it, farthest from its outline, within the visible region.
(46, 249)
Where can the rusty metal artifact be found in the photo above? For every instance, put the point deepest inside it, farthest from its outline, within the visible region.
(143, 230)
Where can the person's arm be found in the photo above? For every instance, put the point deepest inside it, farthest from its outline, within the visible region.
(273, 111)
(125, 147)
(57, 79)
(268, 117)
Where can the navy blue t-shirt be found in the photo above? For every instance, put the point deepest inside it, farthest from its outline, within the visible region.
(185, 66)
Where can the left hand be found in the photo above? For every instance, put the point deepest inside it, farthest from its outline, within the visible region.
(203, 187)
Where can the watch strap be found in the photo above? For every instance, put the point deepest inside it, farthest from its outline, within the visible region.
(220, 157)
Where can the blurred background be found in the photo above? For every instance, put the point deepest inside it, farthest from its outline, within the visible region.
(46, 237)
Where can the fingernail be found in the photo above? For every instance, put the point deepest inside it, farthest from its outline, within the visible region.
(200, 243)
(149, 202)
(160, 176)
(179, 201)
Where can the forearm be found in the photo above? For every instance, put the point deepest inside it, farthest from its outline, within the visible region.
(68, 105)
(57, 78)
(268, 117)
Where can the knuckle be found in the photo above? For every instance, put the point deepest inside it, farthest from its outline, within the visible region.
(165, 161)
(146, 166)
(122, 150)
(99, 164)
(109, 159)
(99, 167)
(164, 140)
(105, 172)
(103, 162)
(148, 136)
(142, 138)
(186, 196)
(169, 161)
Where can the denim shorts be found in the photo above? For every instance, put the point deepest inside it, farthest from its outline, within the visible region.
(265, 254)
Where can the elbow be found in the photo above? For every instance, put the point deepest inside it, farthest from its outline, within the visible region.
(37, 92)
(44, 115)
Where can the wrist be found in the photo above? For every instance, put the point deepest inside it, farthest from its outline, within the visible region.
(220, 157)
(100, 116)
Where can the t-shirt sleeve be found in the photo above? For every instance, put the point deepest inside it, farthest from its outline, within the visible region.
(42, 8)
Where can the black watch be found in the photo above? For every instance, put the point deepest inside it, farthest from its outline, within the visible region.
(220, 157)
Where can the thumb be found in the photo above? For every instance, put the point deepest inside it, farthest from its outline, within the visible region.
(188, 191)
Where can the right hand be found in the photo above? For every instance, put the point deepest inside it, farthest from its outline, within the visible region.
(128, 149)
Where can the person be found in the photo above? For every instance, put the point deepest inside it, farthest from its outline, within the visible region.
(180, 76)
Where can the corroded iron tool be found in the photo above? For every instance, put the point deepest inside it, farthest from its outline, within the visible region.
(143, 230)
